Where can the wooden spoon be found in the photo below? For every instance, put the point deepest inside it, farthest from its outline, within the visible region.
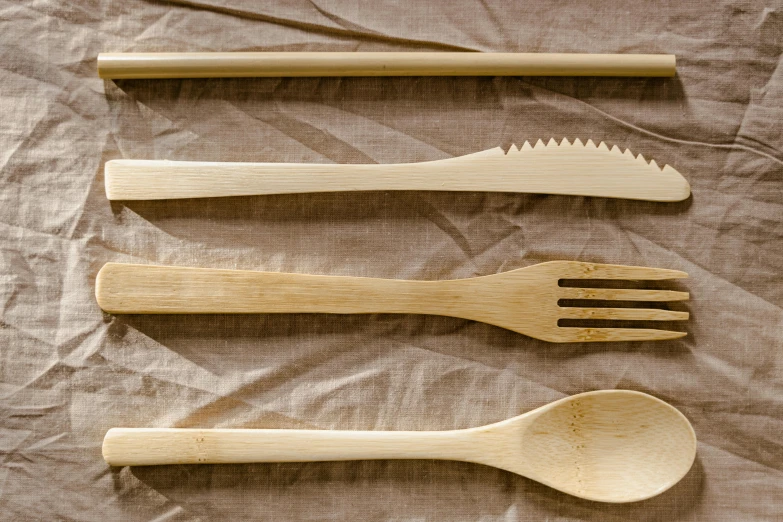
(609, 446)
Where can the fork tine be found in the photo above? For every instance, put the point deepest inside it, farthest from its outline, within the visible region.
(612, 294)
(627, 314)
(569, 334)
(579, 270)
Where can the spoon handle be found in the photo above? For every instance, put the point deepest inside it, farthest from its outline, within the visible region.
(152, 446)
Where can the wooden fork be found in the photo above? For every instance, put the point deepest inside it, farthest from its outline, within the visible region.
(525, 300)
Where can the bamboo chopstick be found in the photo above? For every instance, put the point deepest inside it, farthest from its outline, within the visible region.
(281, 64)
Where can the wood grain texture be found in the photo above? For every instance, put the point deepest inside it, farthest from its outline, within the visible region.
(524, 300)
(566, 168)
(609, 446)
(281, 64)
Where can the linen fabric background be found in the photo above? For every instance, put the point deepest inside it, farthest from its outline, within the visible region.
(69, 372)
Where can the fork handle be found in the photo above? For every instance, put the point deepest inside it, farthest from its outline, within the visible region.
(148, 289)
(152, 446)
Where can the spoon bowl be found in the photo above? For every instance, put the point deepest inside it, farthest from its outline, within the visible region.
(608, 446)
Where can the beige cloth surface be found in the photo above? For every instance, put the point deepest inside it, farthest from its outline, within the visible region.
(69, 372)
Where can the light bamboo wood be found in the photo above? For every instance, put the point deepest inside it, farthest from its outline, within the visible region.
(566, 168)
(281, 64)
(609, 446)
(523, 300)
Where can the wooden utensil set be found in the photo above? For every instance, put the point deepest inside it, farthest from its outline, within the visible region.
(610, 445)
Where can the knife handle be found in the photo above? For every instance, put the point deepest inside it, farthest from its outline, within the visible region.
(161, 179)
